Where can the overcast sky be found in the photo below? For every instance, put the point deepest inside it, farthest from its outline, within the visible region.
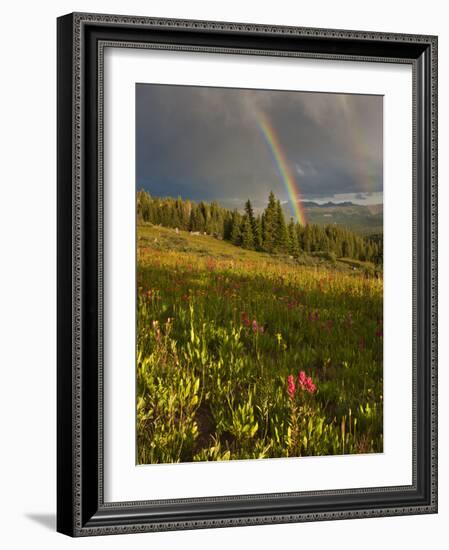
(205, 144)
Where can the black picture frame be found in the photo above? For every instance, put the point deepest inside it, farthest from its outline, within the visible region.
(81, 510)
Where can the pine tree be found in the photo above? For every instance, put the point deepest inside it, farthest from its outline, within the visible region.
(255, 226)
(227, 225)
(203, 217)
(258, 232)
(143, 205)
(193, 224)
(300, 233)
(293, 237)
(323, 242)
(307, 239)
(247, 233)
(249, 212)
(270, 224)
(215, 223)
(281, 234)
(236, 234)
(346, 249)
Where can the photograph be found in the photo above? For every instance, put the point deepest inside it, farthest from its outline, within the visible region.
(259, 273)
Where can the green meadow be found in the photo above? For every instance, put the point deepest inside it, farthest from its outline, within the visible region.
(245, 354)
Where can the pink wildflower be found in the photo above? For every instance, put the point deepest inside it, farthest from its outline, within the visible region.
(291, 387)
(310, 386)
(256, 327)
(305, 382)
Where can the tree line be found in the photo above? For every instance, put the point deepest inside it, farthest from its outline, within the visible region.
(265, 232)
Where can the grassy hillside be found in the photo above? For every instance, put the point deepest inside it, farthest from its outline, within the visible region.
(245, 355)
(152, 237)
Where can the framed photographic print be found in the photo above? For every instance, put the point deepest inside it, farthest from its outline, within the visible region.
(247, 276)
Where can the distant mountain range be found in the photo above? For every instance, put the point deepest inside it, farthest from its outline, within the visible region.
(330, 204)
(365, 219)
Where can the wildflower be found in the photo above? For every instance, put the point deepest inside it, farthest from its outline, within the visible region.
(211, 264)
(379, 333)
(314, 316)
(245, 319)
(305, 382)
(257, 328)
(310, 386)
(291, 387)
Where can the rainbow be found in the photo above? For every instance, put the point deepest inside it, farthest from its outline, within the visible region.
(287, 177)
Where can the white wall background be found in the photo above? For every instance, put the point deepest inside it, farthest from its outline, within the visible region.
(28, 268)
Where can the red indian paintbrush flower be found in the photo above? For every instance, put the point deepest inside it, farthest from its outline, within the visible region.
(256, 327)
(310, 386)
(305, 382)
(291, 387)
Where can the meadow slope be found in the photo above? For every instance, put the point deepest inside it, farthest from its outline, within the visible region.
(246, 355)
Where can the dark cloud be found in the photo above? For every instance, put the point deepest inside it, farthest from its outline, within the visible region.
(205, 143)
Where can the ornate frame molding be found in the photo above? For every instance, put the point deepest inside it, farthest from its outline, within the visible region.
(82, 512)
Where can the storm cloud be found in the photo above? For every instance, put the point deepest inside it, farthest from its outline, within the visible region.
(205, 143)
